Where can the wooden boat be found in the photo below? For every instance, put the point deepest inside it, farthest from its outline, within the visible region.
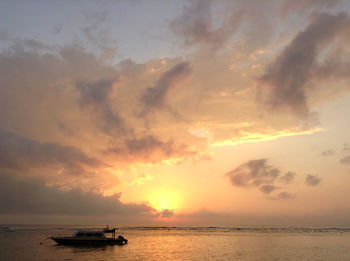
(90, 237)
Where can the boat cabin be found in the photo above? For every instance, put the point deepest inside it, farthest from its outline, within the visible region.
(88, 234)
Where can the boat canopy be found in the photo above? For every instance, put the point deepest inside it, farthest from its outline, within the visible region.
(107, 230)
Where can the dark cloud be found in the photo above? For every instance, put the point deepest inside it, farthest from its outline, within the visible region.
(345, 160)
(197, 26)
(214, 27)
(346, 147)
(334, 65)
(267, 189)
(286, 195)
(98, 34)
(329, 152)
(31, 43)
(282, 196)
(65, 129)
(130, 68)
(31, 196)
(154, 97)
(150, 149)
(93, 26)
(259, 174)
(166, 213)
(253, 172)
(97, 96)
(21, 43)
(301, 6)
(288, 177)
(312, 180)
(97, 93)
(57, 29)
(19, 153)
(287, 77)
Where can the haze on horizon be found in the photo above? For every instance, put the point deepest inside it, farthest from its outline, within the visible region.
(175, 112)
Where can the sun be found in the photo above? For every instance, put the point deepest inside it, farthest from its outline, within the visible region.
(165, 199)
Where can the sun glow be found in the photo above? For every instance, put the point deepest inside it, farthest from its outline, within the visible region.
(258, 137)
(165, 199)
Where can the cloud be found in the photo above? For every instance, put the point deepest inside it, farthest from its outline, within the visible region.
(97, 96)
(196, 25)
(166, 213)
(259, 174)
(82, 102)
(65, 129)
(287, 177)
(207, 217)
(21, 43)
(57, 28)
(241, 221)
(329, 152)
(282, 196)
(286, 195)
(97, 93)
(154, 97)
(346, 147)
(33, 81)
(97, 33)
(150, 149)
(71, 109)
(88, 103)
(211, 28)
(253, 172)
(31, 196)
(301, 6)
(288, 76)
(141, 179)
(312, 180)
(20, 153)
(345, 160)
(267, 189)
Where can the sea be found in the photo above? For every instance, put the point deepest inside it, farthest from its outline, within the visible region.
(29, 242)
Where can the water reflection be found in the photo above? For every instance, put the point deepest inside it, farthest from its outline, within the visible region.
(77, 248)
(178, 244)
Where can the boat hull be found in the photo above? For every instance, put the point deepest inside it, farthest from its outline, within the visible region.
(87, 241)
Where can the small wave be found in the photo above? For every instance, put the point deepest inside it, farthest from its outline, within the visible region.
(26, 228)
(4, 228)
(239, 229)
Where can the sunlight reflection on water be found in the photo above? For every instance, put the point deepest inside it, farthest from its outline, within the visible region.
(178, 244)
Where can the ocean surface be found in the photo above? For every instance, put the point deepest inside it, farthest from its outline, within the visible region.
(182, 243)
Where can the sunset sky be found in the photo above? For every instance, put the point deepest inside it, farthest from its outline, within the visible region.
(175, 112)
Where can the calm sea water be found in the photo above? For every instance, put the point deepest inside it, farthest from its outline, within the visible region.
(182, 243)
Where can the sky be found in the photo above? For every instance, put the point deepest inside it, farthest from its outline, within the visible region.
(232, 113)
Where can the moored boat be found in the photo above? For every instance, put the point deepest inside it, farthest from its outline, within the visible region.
(92, 237)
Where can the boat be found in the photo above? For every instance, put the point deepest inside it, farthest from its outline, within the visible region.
(92, 238)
